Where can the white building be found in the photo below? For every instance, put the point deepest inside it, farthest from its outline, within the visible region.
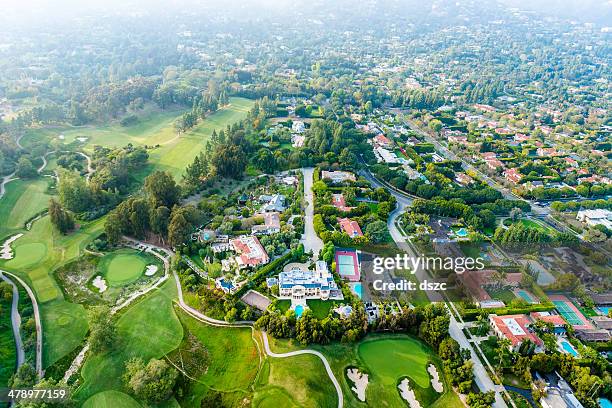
(298, 284)
(596, 217)
(298, 127)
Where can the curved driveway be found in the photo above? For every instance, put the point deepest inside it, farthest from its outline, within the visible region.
(16, 321)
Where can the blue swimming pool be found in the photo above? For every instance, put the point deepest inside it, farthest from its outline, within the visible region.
(299, 309)
(462, 232)
(605, 403)
(605, 310)
(569, 348)
(357, 289)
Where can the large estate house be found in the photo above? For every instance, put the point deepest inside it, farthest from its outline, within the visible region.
(299, 284)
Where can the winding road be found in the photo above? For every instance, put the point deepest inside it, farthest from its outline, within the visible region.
(39, 333)
(155, 250)
(90, 169)
(16, 321)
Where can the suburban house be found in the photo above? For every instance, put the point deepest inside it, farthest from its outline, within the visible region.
(298, 126)
(463, 179)
(350, 227)
(546, 151)
(300, 284)
(338, 176)
(272, 203)
(513, 175)
(556, 320)
(383, 141)
(514, 328)
(476, 281)
(271, 224)
(596, 217)
(250, 252)
(339, 202)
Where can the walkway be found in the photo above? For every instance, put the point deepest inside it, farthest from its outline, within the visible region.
(16, 322)
(39, 333)
(310, 239)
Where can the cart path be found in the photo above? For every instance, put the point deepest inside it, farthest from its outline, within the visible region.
(16, 322)
(39, 332)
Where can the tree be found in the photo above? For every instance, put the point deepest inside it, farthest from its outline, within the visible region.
(376, 231)
(113, 228)
(435, 125)
(480, 399)
(101, 329)
(25, 377)
(61, 218)
(73, 192)
(161, 189)
(25, 168)
(178, 229)
(153, 382)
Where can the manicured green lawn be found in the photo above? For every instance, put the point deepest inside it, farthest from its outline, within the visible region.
(23, 200)
(298, 381)
(122, 266)
(64, 326)
(148, 329)
(505, 295)
(111, 399)
(232, 360)
(386, 359)
(178, 152)
(320, 308)
(536, 225)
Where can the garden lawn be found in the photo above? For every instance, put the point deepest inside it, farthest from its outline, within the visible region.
(123, 266)
(320, 308)
(536, 225)
(23, 200)
(505, 295)
(148, 329)
(298, 381)
(233, 361)
(111, 399)
(64, 327)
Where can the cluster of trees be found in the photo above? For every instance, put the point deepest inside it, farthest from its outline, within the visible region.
(520, 236)
(203, 105)
(419, 98)
(155, 213)
(105, 188)
(152, 382)
(102, 332)
(457, 364)
(561, 206)
(62, 219)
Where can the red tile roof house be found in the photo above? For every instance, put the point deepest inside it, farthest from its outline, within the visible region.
(250, 252)
(513, 175)
(339, 202)
(475, 282)
(383, 141)
(350, 227)
(556, 320)
(514, 328)
(494, 164)
(546, 151)
(520, 137)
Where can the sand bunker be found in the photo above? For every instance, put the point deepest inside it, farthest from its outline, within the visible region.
(61, 137)
(82, 139)
(407, 394)
(360, 380)
(151, 270)
(435, 378)
(6, 252)
(100, 283)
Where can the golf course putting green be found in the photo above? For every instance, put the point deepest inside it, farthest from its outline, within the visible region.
(391, 359)
(123, 266)
(28, 254)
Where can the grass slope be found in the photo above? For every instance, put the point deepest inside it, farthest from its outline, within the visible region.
(149, 329)
(22, 201)
(111, 399)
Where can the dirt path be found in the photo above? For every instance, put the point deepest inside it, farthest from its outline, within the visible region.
(90, 169)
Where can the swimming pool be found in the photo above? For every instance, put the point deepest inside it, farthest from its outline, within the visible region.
(569, 348)
(605, 403)
(462, 232)
(357, 289)
(299, 309)
(605, 310)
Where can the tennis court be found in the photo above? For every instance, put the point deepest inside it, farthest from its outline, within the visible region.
(569, 312)
(347, 264)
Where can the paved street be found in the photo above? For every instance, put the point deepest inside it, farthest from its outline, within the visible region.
(310, 239)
